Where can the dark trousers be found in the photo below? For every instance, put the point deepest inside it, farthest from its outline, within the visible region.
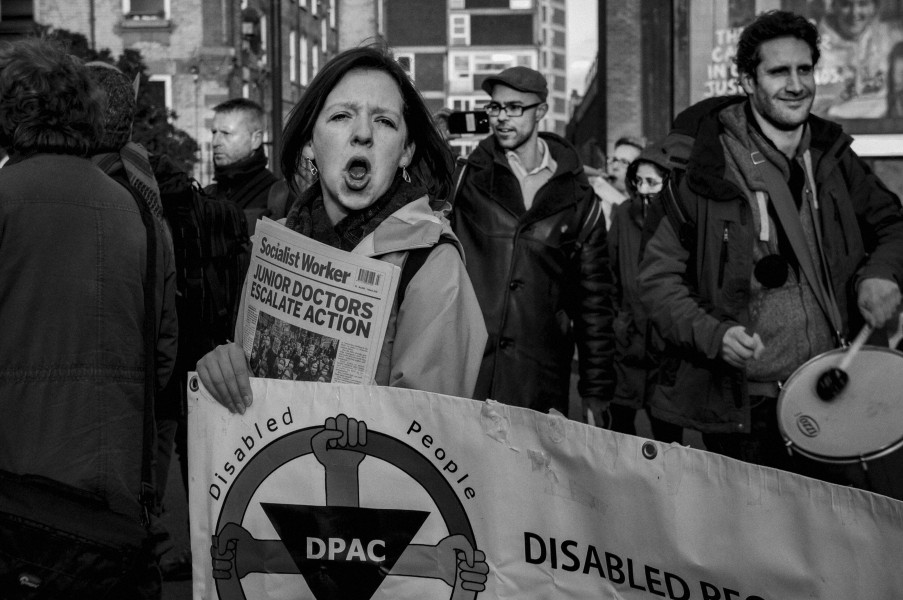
(765, 446)
(623, 420)
(172, 434)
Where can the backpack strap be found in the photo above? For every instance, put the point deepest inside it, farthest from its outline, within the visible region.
(445, 206)
(676, 213)
(414, 260)
(460, 168)
(147, 494)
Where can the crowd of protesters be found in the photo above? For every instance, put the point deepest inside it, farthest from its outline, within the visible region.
(721, 259)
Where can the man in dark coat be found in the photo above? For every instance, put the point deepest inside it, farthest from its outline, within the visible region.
(534, 238)
(796, 244)
(240, 164)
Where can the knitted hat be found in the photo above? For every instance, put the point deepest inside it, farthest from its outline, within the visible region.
(121, 105)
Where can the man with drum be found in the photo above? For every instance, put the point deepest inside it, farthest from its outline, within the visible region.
(779, 244)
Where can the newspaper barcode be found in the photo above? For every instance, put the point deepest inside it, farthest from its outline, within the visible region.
(368, 277)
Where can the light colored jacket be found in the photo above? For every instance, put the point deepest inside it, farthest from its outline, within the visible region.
(435, 339)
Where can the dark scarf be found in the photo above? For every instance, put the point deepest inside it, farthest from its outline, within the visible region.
(244, 181)
(240, 170)
(308, 215)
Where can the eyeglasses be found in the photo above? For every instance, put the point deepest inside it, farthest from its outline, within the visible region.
(654, 185)
(493, 109)
(618, 160)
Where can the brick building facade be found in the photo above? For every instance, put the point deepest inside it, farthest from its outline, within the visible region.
(200, 53)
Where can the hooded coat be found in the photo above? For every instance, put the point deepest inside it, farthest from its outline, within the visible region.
(435, 338)
(636, 345)
(694, 298)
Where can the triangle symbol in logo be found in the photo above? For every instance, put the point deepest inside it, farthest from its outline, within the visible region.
(344, 552)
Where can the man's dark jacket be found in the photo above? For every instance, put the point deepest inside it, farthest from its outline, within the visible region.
(247, 183)
(538, 291)
(694, 299)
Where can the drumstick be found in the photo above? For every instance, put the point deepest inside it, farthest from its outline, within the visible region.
(857, 344)
(831, 382)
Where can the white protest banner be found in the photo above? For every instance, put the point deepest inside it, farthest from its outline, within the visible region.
(429, 496)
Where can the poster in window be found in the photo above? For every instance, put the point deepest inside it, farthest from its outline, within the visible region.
(859, 75)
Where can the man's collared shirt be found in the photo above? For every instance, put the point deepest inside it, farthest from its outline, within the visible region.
(531, 181)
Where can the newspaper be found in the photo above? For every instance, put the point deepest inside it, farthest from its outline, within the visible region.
(313, 312)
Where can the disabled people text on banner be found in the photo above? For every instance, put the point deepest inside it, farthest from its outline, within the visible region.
(328, 492)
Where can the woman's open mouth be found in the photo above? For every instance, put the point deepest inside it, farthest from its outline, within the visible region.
(357, 173)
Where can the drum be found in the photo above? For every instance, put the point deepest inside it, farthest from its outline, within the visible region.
(863, 423)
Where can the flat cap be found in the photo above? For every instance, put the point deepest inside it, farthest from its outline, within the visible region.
(522, 79)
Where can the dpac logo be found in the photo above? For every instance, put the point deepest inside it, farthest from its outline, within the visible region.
(344, 551)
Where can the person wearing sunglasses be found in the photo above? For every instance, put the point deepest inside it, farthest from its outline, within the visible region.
(638, 347)
(534, 238)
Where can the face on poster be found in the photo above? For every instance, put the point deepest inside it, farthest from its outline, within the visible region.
(859, 75)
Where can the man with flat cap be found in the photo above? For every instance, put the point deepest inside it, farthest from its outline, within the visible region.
(534, 237)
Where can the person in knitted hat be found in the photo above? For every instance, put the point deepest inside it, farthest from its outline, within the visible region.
(122, 159)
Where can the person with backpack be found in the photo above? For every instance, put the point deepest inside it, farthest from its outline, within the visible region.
(534, 236)
(364, 132)
(786, 245)
(240, 164)
(87, 338)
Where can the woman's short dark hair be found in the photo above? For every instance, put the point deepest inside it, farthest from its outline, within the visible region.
(432, 161)
(48, 102)
(769, 26)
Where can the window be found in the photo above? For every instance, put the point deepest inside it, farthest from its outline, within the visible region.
(460, 67)
(305, 53)
(460, 30)
(462, 103)
(159, 90)
(263, 38)
(518, 4)
(456, 4)
(17, 10)
(315, 58)
(144, 10)
(332, 15)
(406, 60)
(292, 56)
(324, 33)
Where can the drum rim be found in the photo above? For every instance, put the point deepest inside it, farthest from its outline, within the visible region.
(839, 460)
